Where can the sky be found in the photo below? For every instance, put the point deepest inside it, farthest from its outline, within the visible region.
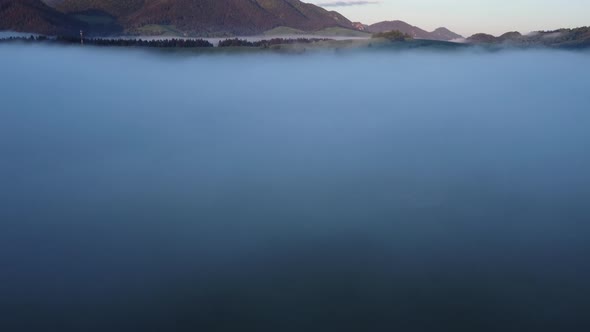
(468, 16)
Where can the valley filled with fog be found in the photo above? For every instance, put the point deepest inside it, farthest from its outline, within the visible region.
(417, 191)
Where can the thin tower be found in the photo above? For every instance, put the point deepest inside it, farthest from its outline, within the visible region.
(81, 37)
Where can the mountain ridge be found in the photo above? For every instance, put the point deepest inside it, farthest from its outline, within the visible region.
(211, 17)
(198, 18)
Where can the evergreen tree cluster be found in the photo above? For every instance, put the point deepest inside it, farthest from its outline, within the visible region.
(393, 35)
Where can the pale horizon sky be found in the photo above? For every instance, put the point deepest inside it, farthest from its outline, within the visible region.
(467, 17)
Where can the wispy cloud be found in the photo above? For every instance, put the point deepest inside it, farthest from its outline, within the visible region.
(346, 3)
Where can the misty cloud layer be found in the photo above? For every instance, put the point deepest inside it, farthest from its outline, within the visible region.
(408, 191)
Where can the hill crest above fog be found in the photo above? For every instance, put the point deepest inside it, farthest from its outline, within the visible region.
(565, 38)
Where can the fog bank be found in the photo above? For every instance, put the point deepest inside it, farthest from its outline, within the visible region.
(411, 191)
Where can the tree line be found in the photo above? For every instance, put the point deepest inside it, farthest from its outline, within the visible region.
(162, 43)
(156, 43)
(235, 42)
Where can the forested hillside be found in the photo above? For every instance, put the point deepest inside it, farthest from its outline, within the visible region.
(211, 17)
(35, 16)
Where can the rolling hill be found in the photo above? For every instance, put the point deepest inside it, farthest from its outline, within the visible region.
(443, 34)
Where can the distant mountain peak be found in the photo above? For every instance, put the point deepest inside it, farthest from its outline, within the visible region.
(443, 33)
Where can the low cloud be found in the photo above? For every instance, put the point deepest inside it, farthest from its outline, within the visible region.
(347, 3)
